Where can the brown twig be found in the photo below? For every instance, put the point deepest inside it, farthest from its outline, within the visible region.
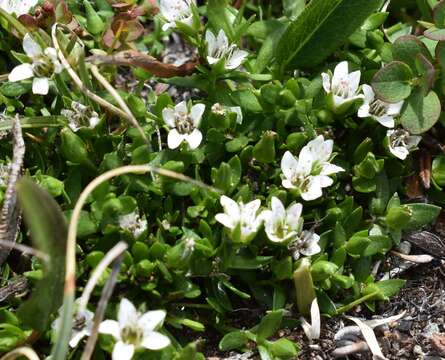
(146, 62)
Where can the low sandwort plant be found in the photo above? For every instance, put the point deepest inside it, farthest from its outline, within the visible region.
(272, 168)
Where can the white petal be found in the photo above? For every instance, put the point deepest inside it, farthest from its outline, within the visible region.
(230, 207)
(399, 152)
(293, 215)
(221, 41)
(196, 113)
(174, 139)
(76, 336)
(326, 82)
(340, 73)
(21, 72)
(278, 210)
(168, 115)
(252, 207)
(368, 93)
(236, 59)
(40, 86)
(181, 108)
(155, 341)
(110, 327)
(363, 111)
(226, 220)
(239, 114)
(194, 139)
(329, 169)
(212, 60)
(289, 165)
(322, 180)
(151, 320)
(386, 121)
(122, 351)
(32, 48)
(305, 160)
(167, 26)
(211, 43)
(325, 150)
(127, 313)
(413, 141)
(394, 109)
(288, 184)
(354, 81)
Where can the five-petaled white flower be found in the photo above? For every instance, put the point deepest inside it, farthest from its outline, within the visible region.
(282, 225)
(80, 116)
(242, 220)
(133, 223)
(401, 142)
(82, 326)
(219, 49)
(176, 11)
(342, 87)
(306, 244)
(44, 64)
(18, 7)
(184, 124)
(309, 173)
(134, 330)
(380, 111)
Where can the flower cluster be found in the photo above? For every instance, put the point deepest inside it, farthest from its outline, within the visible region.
(343, 90)
(282, 226)
(220, 51)
(80, 116)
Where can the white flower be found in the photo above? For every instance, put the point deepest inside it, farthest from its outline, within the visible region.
(133, 223)
(18, 7)
(309, 173)
(222, 110)
(401, 142)
(176, 11)
(342, 87)
(80, 116)
(241, 219)
(282, 225)
(219, 49)
(184, 124)
(134, 330)
(83, 323)
(44, 64)
(380, 111)
(307, 244)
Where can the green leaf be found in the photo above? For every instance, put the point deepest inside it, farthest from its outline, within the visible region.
(15, 89)
(439, 14)
(435, 34)
(293, 8)
(268, 49)
(420, 113)
(233, 340)
(407, 47)
(220, 17)
(283, 349)
(320, 29)
(48, 230)
(438, 170)
(384, 289)
(421, 215)
(392, 82)
(243, 262)
(269, 325)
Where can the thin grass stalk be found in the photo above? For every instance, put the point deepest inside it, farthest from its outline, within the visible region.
(101, 307)
(20, 352)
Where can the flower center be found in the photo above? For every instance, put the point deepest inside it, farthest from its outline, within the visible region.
(378, 108)
(42, 66)
(132, 335)
(342, 89)
(184, 123)
(399, 138)
(79, 322)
